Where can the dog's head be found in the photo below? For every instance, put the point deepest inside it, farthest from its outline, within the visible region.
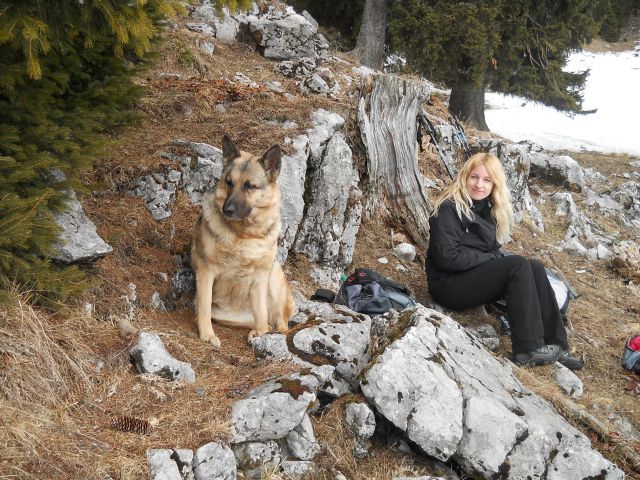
(247, 182)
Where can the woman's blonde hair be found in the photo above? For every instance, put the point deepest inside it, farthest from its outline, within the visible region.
(501, 211)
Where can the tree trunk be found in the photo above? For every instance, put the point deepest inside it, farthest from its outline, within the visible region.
(395, 187)
(370, 44)
(467, 103)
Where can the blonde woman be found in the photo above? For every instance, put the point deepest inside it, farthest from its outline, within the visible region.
(465, 267)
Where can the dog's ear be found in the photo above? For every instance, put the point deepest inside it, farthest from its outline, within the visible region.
(229, 150)
(271, 162)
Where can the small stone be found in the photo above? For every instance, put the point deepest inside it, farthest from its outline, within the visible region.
(383, 260)
(361, 449)
(297, 470)
(132, 296)
(569, 381)
(405, 251)
(275, 86)
(203, 28)
(150, 356)
(574, 247)
(157, 303)
(206, 47)
(603, 252)
(491, 343)
(242, 79)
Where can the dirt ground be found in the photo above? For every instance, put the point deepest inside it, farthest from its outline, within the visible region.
(66, 377)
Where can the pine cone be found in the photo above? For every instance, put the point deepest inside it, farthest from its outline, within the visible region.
(131, 424)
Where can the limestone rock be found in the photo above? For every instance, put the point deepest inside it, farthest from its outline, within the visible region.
(162, 466)
(297, 470)
(158, 190)
(78, 241)
(272, 346)
(559, 170)
(284, 35)
(328, 232)
(342, 341)
(467, 404)
(214, 461)
(405, 251)
(252, 457)
(491, 431)
(360, 419)
(150, 356)
(568, 381)
(273, 409)
(302, 440)
(293, 172)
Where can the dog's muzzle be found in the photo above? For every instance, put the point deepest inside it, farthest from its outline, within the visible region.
(234, 210)
(229, 210)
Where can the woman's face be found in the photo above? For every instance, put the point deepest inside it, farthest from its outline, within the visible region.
(479, 183)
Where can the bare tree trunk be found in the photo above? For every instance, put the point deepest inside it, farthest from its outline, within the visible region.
(370, 44)
(467, 103)
(387, 120)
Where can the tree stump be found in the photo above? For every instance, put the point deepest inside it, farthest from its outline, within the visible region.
(387, 120)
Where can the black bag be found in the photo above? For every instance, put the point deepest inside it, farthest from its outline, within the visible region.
(367, 291)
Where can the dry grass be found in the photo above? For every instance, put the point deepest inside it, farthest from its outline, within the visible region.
(56, 405)
(384, 460)
(63, 381)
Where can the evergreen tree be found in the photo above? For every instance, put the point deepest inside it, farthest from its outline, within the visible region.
(613, 15)
(371, 38)
(516, 47)
(65, 82)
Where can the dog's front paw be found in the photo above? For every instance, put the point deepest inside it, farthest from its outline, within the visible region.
(211, 338)
(255, 333)
(282, 327)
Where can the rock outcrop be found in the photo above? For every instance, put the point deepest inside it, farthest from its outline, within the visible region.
(431, 379)
(78, 241)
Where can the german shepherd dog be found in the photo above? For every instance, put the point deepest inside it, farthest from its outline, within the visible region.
(239, 282)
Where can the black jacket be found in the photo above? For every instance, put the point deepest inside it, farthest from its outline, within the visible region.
(458, 244)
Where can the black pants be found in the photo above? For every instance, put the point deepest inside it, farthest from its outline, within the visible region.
(531, 304)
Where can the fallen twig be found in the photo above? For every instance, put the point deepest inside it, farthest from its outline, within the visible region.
(587, 283)
(583, 337)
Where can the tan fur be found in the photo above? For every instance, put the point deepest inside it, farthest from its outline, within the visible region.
(239, 282)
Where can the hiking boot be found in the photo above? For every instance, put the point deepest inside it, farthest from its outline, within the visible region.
(569, 361)
(540, 356)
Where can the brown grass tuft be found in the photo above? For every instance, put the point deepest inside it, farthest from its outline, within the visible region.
(44, 358)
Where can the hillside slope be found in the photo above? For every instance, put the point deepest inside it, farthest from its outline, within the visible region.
(64, 377)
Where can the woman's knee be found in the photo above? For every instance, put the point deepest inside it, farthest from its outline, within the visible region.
(537, 266)
(517, 262)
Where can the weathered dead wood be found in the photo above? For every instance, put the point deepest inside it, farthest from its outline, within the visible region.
(387, 120)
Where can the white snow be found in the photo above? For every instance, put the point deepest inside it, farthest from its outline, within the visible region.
(613, 88)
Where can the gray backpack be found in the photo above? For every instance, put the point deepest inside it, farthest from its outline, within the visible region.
(367, 291)
(630, 357)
